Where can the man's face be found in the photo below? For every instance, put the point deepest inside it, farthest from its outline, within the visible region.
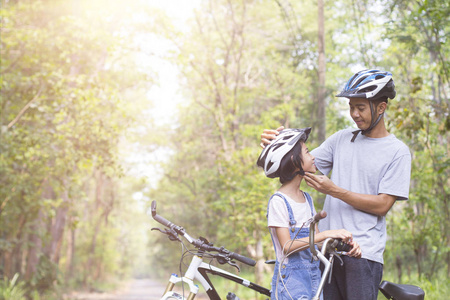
(360, 112)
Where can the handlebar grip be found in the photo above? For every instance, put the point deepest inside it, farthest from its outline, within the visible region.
(340, 245)
(163, 221)
(319, 216)
(158, 218)
(243, 259)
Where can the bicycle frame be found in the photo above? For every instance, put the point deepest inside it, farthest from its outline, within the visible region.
(199, 270)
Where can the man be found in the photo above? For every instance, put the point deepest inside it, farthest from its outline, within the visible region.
(370, 171)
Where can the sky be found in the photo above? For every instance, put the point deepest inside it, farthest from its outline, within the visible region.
(165, 96)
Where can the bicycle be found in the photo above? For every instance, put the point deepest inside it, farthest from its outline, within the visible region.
(199, 270)
(390, 290)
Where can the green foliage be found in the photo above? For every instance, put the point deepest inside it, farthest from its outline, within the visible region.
(434, 288)
(215, 158)
(73, 102)
(68, 77)
(12, 289)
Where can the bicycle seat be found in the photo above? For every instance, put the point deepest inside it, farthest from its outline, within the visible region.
(401, 291)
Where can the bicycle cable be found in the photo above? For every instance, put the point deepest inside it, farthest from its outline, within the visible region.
(185, 252)
(284, 256)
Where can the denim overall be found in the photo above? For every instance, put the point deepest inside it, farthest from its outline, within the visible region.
(301, 275)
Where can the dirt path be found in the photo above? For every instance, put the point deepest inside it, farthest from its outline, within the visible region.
(136, 289)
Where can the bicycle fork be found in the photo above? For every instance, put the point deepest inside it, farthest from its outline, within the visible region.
(188, 278)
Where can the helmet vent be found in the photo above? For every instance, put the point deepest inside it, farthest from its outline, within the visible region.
(369, 89)
(277, 146)
(359, 81)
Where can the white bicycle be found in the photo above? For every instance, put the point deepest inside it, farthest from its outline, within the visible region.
(199, 271)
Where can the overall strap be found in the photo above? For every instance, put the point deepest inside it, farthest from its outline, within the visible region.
(311, 205)
(292, 221)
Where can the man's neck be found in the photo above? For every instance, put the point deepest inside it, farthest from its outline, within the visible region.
(379, 131)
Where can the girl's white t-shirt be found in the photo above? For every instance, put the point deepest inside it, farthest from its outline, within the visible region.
(279, 217)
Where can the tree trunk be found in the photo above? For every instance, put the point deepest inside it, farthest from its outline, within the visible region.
(70, 253)
(18, 249)
(321, 118)
(58, 225)
(259, 262)
(35, 248)
(398, 263)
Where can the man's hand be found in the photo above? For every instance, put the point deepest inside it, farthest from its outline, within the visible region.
(269, 135)
(356, 250)
(373, 204)
(320, 183)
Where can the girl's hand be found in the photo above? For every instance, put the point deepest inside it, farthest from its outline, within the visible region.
(342, 234)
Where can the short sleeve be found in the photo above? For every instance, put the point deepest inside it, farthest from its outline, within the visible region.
(278, 215)
(396, 180)
(324, 153)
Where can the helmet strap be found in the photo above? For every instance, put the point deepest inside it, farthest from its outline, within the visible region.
(373, 112)
(299, 172)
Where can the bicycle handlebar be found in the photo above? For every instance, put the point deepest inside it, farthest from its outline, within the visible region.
(243, 259)
(319, 216)
(162, 220)
(202, 244)
(340, 245)
(337, 244)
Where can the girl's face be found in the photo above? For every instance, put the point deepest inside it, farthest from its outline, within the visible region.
(308, 164)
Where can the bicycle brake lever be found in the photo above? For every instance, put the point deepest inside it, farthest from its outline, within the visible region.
(159, 229)
(340, 259)
(171, 234)
(334, 254)
(232, 263)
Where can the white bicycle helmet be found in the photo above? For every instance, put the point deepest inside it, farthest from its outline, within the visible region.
(272, 155)
(369, 84)
(372, 85)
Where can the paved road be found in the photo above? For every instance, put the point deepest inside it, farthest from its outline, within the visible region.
(147, 289)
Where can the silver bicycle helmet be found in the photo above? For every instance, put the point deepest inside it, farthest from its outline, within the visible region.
(373, 85)
(370, 84)
(272, 155)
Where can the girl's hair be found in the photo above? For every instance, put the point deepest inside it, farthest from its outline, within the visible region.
(291, 161)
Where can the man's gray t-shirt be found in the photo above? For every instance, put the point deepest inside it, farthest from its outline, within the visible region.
(366, 166)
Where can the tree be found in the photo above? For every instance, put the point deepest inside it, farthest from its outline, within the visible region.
(65, 86)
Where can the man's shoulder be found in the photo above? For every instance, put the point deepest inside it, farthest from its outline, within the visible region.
(346, 132)
(401, 147)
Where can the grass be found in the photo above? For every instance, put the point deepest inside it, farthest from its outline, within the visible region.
(435, 289)
(12, 289)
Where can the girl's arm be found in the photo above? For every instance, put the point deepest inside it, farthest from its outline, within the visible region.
(303, 243)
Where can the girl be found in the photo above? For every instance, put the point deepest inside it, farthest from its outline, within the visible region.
(296, 275)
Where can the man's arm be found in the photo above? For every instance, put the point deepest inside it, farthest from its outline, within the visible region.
(374, 204)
